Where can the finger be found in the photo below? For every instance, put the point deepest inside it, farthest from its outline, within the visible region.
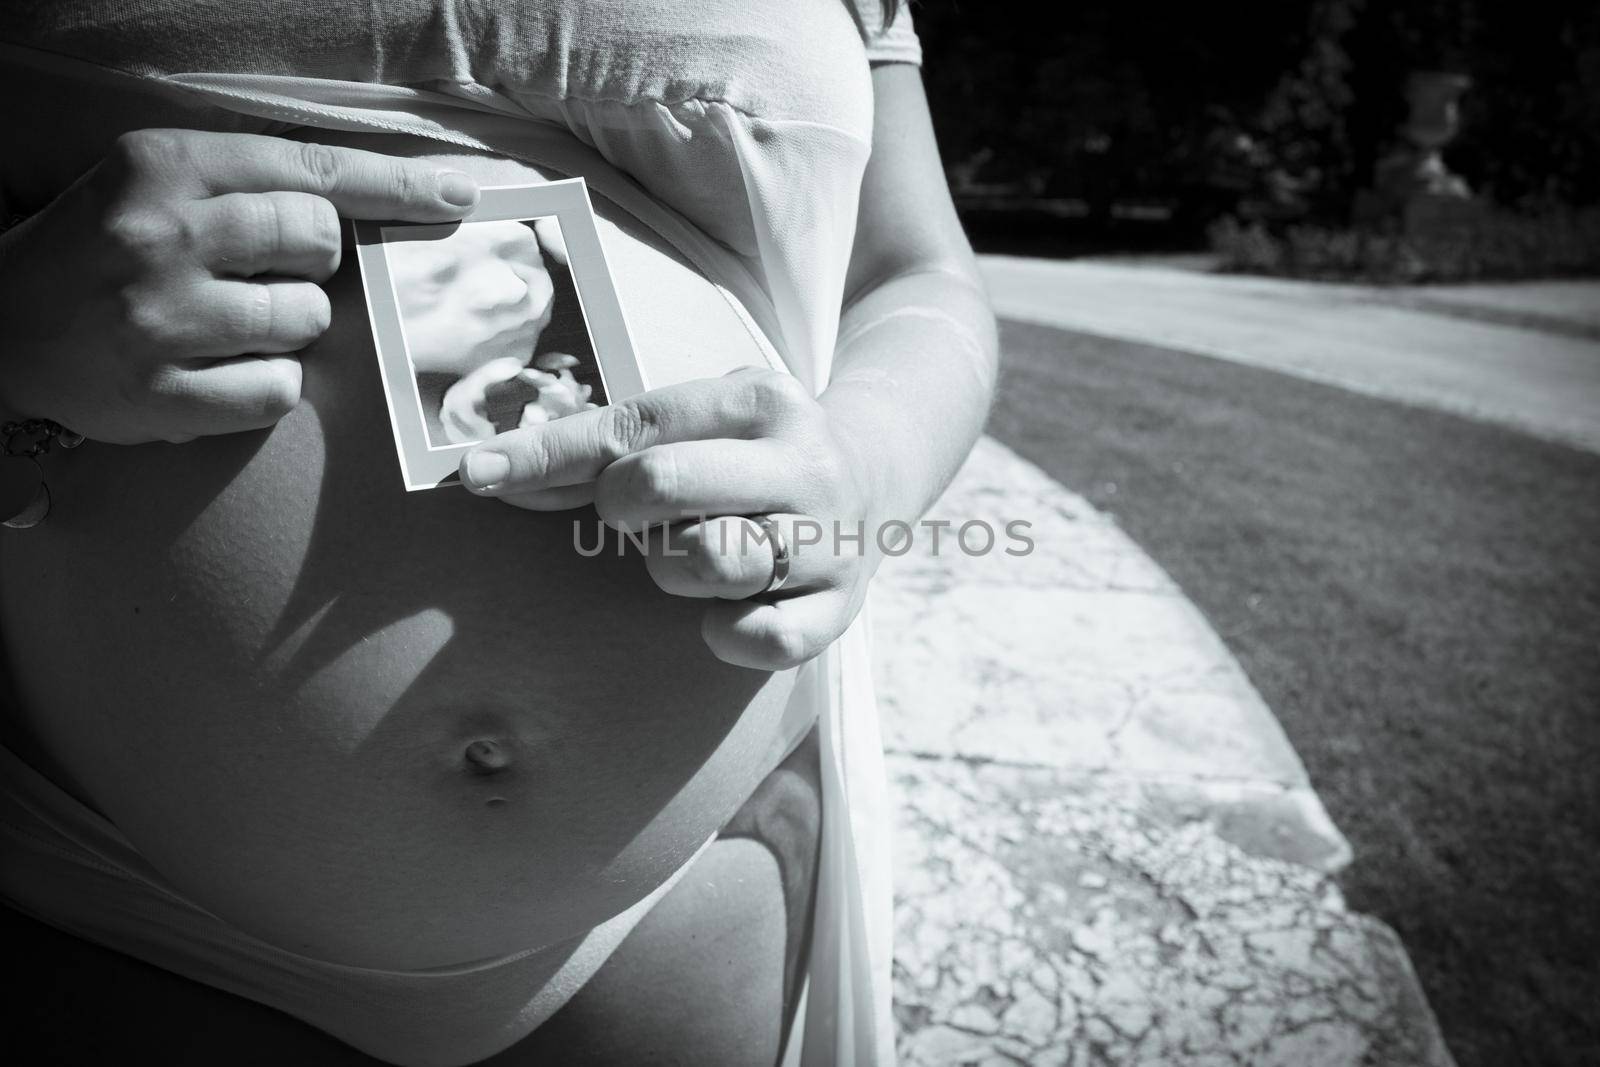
(774, 636)
(360, 184)
(230, 395)
(289, 234)
(578, 447)
(261, 317)
(731, 557)
(563, 498)
(693, 478)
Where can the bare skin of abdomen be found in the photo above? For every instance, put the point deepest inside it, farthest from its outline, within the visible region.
(272, 669)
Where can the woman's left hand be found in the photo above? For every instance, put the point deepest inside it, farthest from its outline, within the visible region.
(701, 461)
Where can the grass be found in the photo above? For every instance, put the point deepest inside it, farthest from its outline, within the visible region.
(1417, 597)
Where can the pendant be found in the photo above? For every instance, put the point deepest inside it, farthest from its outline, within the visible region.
(24, 497)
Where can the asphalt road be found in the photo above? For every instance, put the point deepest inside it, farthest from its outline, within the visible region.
(1525, 355)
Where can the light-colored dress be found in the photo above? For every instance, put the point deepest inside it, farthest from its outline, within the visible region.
(737, 130)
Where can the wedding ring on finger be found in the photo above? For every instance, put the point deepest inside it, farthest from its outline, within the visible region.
(780, 552)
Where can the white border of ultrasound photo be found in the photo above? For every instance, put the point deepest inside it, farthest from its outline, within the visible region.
(425, 466)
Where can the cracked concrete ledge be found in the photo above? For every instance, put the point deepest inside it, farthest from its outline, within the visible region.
(1048, 919)
(1107, 852)
(1081, 655)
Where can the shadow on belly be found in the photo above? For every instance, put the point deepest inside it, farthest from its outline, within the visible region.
(384, 728)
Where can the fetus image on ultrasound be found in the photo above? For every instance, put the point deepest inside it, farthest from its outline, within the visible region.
(493, 328)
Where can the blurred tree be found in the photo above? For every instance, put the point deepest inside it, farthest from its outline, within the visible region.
(1304, 124)
(1531, 135)
(1282, 105)
(1097, 100)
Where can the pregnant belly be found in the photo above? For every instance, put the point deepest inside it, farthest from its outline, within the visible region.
(270, 666)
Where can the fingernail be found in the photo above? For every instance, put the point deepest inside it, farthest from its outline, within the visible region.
(458, 188)
(485, 470)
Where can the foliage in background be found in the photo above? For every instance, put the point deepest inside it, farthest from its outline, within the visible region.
(1501, 244)
(1098, 101)
(1278, 108)
(1306, 163)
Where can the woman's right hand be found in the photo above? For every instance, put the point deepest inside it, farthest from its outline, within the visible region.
(162, 296)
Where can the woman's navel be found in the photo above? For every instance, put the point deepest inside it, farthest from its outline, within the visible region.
(486, 756)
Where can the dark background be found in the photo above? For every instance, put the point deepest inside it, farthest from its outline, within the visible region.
(1129, 123)
(568, 332)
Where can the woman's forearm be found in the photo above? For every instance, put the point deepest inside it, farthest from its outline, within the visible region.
(912, 381)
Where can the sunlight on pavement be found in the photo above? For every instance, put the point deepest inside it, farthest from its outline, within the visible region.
(1107, 851)
(1360, 338)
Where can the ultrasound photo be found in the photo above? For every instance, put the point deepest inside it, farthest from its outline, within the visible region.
(493, 324)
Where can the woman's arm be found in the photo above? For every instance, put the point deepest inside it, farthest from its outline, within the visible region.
(915, 368)
(912, 378)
